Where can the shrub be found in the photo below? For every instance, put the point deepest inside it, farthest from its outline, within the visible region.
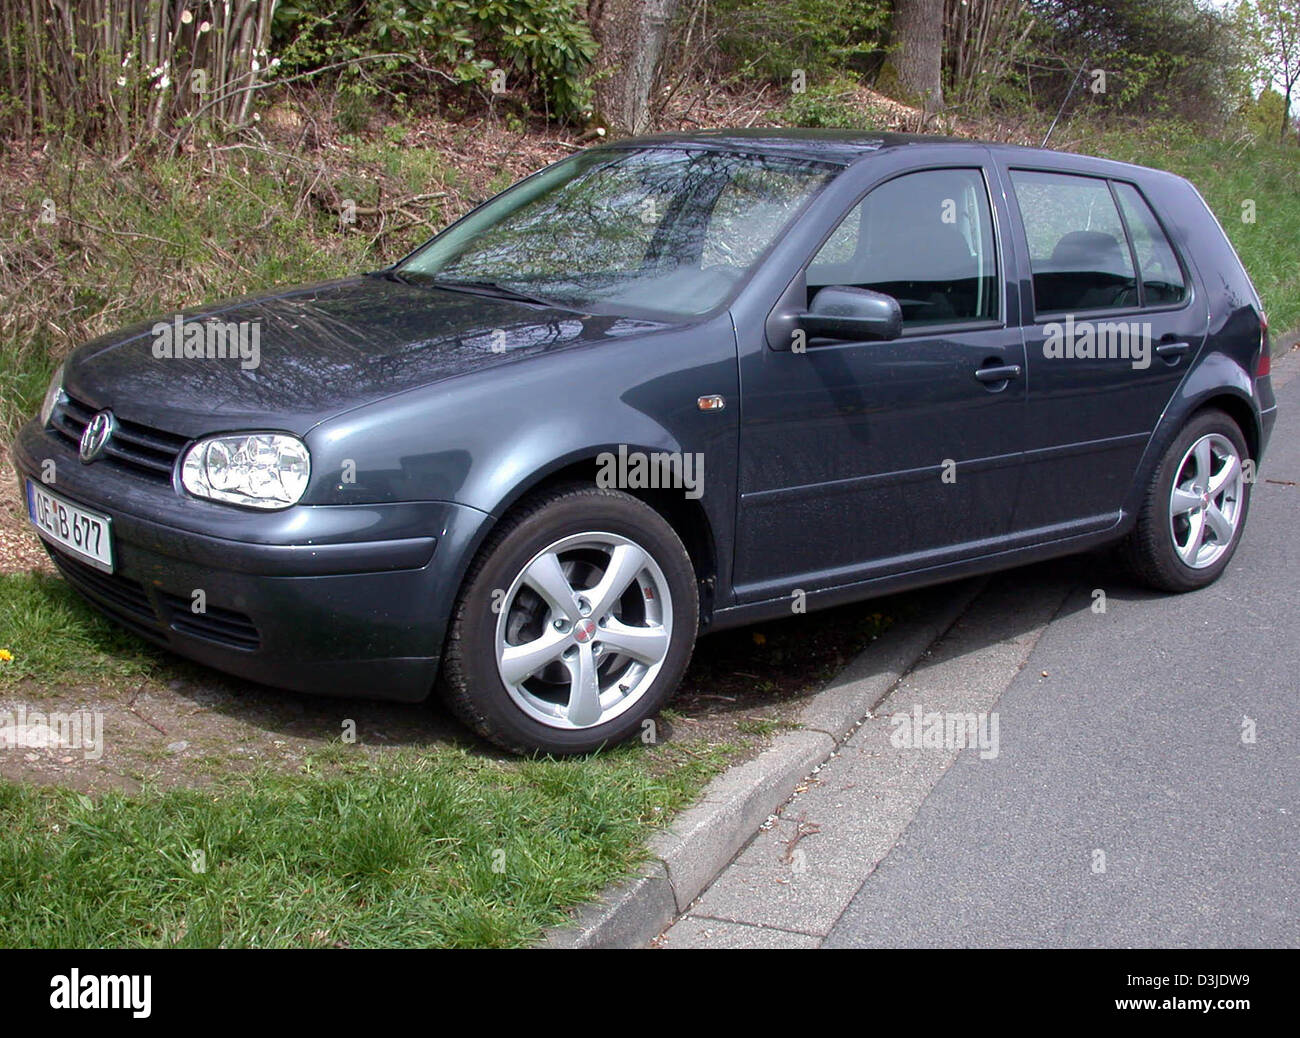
(544, 43)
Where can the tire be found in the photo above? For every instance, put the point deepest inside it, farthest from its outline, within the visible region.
(1184, 542)
(544, 589)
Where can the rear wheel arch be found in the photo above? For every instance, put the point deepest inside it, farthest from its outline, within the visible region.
(1235, 405)
(1239, 410)
(1194, 504)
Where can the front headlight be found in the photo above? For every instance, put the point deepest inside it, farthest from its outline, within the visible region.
(261, 470)
(52, 396)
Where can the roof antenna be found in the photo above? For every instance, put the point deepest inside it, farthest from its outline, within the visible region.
(1068, 94)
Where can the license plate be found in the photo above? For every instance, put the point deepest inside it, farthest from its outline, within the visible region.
(87, 535)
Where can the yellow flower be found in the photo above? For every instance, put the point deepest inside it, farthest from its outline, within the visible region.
(6, 656)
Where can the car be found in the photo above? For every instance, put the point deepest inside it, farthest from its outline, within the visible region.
(668, 385)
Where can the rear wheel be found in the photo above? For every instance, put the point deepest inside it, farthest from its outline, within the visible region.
(575, 624)
(1194, 512)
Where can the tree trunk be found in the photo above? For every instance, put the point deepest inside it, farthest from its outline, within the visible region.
(631, 34)
(918, 30)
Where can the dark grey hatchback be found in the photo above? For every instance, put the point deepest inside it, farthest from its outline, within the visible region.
(664, 386)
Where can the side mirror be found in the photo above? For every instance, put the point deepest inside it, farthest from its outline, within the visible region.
(852, 315)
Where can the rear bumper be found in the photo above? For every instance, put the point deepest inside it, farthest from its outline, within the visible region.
(348, 600)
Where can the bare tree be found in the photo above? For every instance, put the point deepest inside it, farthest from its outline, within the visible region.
(130, 69)
(984, 39)
(632, 35)
(1277, 23)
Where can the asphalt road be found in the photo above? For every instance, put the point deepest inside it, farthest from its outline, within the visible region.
(1145, 789)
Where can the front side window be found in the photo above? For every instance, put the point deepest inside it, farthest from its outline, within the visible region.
(1078, 252)
(666, 231)
(926, 239)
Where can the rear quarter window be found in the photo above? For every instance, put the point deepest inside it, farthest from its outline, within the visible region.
(1163, 281)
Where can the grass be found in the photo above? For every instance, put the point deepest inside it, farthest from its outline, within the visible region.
(55, 638)
(441, 849)
(170, 233)
(1228, 173)
(388, 846)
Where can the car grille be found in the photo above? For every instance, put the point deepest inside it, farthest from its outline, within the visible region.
(130, 604)
(148, 452)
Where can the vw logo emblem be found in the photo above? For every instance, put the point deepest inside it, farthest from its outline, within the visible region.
(96, 437)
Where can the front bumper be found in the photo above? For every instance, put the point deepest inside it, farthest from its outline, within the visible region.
(332, 600)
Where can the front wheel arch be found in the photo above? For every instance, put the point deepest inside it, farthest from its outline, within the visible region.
(474, 679)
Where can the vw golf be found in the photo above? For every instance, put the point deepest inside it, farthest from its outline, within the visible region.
(664, 386)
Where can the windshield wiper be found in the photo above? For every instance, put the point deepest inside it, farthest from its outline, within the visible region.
(392, 275)
(496, 289)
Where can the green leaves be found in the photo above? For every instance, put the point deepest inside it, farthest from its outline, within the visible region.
(545, 45)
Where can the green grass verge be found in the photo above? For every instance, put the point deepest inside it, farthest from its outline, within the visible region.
(1229, 174)
(162, 234)
(415, 849)
(400, 847)
(56, 638)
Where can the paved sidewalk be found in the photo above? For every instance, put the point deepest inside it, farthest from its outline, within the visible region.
(790, 885)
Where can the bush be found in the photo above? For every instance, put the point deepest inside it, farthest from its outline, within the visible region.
(544, 43)
(774, 37)
(1161, 57)
(828, 107)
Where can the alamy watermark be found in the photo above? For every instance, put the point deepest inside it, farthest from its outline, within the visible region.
(658, 470)
(922, 730)
(23, 729)
(209, 340)
(1099, 340)
(75, 990)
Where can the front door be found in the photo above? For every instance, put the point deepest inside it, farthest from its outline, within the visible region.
(862, 459)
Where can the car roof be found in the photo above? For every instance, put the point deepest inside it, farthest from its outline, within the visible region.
(844, 147)
(839, 146)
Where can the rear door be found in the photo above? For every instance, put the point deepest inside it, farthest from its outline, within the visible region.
(1111, 324)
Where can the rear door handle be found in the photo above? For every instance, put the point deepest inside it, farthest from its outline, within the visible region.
(1173, 349)
(998, 374)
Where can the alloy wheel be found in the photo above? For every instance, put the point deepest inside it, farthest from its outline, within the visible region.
(583, 630)
(1205, 501)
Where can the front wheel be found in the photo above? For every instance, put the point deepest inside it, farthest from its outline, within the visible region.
(1195, 509)
(575, 624)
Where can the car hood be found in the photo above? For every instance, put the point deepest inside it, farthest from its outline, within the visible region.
(312, 352)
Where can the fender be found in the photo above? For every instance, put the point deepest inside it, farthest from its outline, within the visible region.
(489, 443)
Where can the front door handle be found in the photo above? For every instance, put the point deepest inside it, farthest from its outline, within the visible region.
(998, 374)
(1173, 349)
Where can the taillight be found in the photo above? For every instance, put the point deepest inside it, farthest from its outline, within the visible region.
(1264, 365)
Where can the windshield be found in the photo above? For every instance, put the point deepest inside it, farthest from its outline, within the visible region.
(664, 231)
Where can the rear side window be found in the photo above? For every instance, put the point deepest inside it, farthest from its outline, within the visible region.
(1078, 252)
(925, 238)
(1162, 277)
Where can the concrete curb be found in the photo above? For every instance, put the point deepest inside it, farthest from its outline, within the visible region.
(703, 839)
